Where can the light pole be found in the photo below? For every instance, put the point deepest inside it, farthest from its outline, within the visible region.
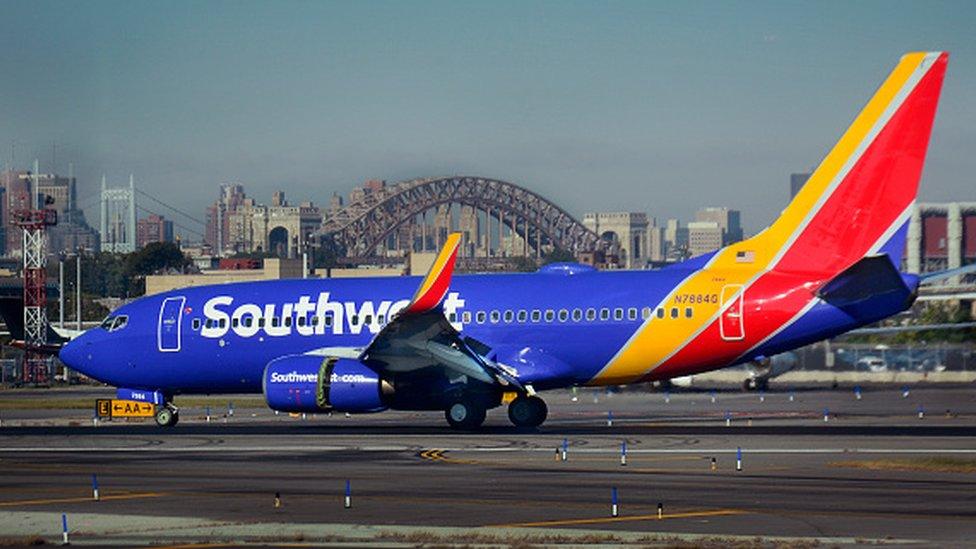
(61, 258)
(78, 291)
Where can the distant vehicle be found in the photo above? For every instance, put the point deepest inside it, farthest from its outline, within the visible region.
(872, 364)
(463, 345)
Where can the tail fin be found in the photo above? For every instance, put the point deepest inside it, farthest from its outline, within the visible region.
(858, 201)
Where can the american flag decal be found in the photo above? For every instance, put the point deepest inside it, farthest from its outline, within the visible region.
(745, 256)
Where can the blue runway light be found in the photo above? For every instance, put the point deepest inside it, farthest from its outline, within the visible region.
(613, 502)
(95, 487)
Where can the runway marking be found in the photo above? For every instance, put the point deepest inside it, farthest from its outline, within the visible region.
(547, 449)
(435, 454)
(19, 503)
(602, 520)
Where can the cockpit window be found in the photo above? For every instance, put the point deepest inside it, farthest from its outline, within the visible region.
(114, 323)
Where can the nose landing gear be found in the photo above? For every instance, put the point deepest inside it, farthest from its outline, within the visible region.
(167, 415)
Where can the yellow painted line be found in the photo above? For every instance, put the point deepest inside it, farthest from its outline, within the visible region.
(601, 520)
(438, 455)
(79, 499)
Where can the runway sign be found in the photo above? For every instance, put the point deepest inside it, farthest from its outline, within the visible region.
(108, 408)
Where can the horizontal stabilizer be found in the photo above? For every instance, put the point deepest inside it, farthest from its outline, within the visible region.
(928, 278)
(868, 279)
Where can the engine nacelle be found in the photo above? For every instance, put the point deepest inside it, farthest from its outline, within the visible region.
(312, 384)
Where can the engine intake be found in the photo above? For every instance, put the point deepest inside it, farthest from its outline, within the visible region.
(313, 384)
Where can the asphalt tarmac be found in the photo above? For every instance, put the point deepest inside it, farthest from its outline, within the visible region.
(874, 472)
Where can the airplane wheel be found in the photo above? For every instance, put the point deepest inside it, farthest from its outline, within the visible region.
(527, 411)
(465, 415)
(166, 416)
(749, 384)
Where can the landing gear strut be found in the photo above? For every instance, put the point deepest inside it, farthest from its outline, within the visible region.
(756, 384)
(167, 415)
(527, 411)
(465, 414)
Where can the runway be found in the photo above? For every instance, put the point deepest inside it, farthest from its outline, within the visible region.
(874, 472)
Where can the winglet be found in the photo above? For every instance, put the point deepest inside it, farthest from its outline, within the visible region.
(438, 279)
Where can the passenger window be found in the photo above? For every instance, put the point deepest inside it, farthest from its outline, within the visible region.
(550, 315)
(577, 315)
(275, 321)
(354, 320)
(247, 321)
(466, 317)
(452, 317)
(301, 321)
(509, 315)
(563, 315)
(495, 317)
(674, 312)
(196, 323)
(604, 314)
(287, 322)
(688, 312)
(223, 322)
(368, 319)
(382, 319)
(328, 320)
(315, 321)
(261, 323)
(591, 314)
(233, 322)
(646, 313)
(208, 323)
(536, 315)
(480, 317)
(522, 315)
(660, 312)
(618, 314)
(632, 313)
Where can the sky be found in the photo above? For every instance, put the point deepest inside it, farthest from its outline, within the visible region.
(662, 107)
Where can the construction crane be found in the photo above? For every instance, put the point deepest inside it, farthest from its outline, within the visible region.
(34, 221)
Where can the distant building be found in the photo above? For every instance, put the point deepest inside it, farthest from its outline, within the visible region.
(703, 237)
(797, 181)
(154, 228)
(280, 229)
(730, 221)
(941, 236)
(270, 269)
(230, 197)
(238, 224)
(627, 229)
(72, 230)
(656, 244)
(675, 241)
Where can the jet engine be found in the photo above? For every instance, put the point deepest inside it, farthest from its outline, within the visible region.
(313, 384)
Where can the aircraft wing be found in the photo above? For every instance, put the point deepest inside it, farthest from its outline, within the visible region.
(420, 336)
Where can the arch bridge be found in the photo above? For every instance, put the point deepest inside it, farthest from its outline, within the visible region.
(530, 224)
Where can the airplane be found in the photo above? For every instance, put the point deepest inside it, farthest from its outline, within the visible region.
(462, 344)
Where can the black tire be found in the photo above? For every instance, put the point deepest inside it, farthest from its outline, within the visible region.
(465, 415)
(527, 411)
(166, 416)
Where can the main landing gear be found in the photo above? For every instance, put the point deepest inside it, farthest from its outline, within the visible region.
(527, 411)
(167, 415)
(524, 412)
(465, 414)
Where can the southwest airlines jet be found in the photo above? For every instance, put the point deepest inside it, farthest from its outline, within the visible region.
(458, 344)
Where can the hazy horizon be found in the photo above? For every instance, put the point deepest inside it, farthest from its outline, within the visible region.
(598, 106)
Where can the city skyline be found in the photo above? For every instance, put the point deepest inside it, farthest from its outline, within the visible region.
(579, 102)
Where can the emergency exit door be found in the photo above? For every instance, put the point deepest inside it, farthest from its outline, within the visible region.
(731, 325)
(170, 319)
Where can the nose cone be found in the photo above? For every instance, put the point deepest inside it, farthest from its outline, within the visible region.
(77, 355)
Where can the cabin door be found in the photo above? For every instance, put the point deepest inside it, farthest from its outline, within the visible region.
(731, 326)
(170, 319)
